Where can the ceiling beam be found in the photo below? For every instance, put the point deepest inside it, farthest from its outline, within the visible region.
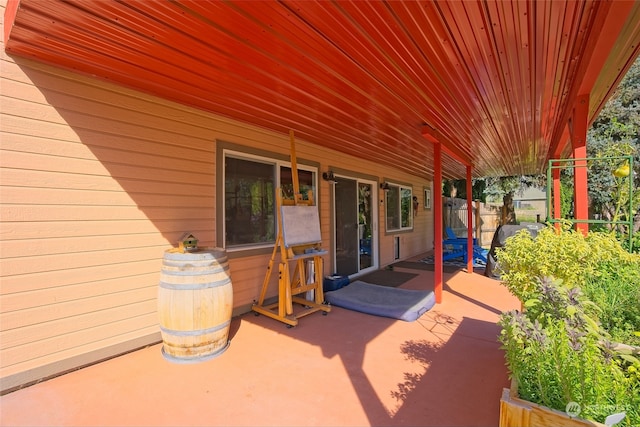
(430, 135)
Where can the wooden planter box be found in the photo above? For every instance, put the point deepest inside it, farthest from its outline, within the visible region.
(515, 412)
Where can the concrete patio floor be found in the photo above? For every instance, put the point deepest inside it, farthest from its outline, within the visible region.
(343, 369)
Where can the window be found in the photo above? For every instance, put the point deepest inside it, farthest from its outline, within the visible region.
(249, 202)
(399, 208)
(305, 183)
(250, 185)
(426, 204)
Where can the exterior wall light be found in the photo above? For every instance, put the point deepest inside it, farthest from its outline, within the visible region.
(328, 176)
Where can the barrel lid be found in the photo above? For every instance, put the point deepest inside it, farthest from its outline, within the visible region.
(200, 253)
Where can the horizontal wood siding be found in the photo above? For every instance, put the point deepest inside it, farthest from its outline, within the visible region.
(97, 181)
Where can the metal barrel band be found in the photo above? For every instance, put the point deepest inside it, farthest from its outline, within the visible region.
(193, 287)
(198, 332)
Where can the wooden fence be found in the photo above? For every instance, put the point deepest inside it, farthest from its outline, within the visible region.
(485, 224)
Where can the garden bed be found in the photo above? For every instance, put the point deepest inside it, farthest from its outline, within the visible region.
(573, 346)
(516, 412)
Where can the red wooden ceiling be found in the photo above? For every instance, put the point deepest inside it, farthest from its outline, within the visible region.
(494, 81)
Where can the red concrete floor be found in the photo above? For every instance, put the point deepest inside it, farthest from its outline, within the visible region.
(343, 369)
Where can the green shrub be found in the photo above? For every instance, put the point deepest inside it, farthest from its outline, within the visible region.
(580, 295)
(635, 242)
(615, 287)
(597, 264)
(523, 260)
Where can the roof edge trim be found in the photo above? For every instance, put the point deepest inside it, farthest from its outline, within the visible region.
(10, 12)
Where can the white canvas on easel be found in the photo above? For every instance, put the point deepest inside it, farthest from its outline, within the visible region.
(300, 225)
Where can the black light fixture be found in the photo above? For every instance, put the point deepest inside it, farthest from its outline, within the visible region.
(328, 176)
(384, 186)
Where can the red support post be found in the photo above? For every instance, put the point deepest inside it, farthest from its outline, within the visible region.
(557, 210)
(579, 145)
(437, 221)
(469, 222)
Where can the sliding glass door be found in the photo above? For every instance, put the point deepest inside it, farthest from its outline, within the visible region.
(355, 239)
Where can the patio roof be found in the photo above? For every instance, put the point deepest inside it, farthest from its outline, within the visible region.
(495, 82)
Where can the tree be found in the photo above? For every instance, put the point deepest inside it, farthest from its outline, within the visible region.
(616, 132)
(507, 187)
(458, 188)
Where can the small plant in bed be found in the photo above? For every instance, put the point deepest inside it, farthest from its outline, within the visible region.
(577, 336)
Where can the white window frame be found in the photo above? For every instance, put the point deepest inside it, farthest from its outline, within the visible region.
(400, 188)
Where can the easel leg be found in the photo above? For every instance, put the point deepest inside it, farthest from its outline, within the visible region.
(319, 293)
(298, 278)
(267, 277)
(286, 305)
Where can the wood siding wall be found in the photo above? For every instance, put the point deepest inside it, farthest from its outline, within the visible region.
(96, 182)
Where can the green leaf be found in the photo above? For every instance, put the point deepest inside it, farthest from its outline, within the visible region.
(591, 323)
(630, 358)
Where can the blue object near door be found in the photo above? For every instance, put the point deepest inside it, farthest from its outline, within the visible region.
(365, 246)
(332, 283)
(456, 247)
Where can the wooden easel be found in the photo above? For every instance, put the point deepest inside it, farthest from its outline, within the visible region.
(299, 243)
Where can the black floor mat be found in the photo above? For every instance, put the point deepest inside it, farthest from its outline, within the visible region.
(387, 278)
(415, 265)
(451, 266)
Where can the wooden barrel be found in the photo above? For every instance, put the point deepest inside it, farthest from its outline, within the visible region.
(195, 301)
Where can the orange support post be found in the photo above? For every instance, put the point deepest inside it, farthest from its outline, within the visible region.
(579, 145)
(469, 223)
(437, 221)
